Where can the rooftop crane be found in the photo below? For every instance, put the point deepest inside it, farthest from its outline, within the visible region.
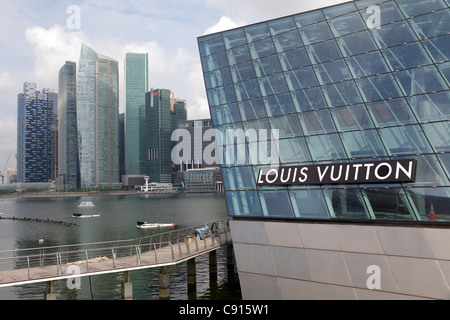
(2, 173)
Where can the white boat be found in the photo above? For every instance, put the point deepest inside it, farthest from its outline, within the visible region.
(84, 216)
(157, 188)
(145, 225)
(86, 204)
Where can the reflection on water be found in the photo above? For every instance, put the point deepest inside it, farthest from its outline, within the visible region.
(119, 215)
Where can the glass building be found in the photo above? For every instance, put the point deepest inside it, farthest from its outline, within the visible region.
(68, 165)
(362, 85)
(136, 81)
(98, 119)
(163, 111)
(36, 134)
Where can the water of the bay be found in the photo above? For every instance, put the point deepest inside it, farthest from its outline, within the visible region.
(119, 215)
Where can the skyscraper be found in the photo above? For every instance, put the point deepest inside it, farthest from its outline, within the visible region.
(68, 164)
(35, 134)
(136, 85)
(98, 119)
(162, 113)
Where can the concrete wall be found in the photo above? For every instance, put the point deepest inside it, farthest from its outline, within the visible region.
(298, 260)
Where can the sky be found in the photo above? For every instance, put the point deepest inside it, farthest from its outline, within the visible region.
(38, 36)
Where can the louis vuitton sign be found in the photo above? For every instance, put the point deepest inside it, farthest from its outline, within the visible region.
(389, 171)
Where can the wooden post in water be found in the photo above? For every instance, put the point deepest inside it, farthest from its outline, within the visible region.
(164, 283)
(192, 279)
(213, 265)
(50, 291)
(127, 286)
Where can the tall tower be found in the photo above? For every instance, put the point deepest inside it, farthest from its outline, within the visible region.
(98, 119)
(163, 112)
(35, 134)
(136, 85)
(68, 162)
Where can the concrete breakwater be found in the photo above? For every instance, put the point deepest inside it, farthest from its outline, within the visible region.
(67, 224)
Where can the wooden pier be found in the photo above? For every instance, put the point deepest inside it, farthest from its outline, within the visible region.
(21, 267)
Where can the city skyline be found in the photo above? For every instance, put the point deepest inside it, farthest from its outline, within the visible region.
(41, 38)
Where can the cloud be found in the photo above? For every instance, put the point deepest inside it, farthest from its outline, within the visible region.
(225, 23)
(52, 48)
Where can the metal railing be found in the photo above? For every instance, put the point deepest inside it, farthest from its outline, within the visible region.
(84, 255)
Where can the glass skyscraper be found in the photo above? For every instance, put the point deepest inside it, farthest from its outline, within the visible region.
(36, 114)
(98, 119)
(136, 81)
(68, 162)
(163, 111)
(359, 96)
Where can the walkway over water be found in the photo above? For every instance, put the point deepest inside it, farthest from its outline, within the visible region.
(19, 267)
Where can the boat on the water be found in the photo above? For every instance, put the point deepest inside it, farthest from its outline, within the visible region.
(145, 225)
(83, 216)
(86, 204)
(157, 188)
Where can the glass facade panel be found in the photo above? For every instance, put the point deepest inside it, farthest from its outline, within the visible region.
(406, 56)
(287, 41)
(324, 51)
(309, 204)
(405, 140)
(273, 84)
(309, 99)
(431, 107)
(346, 24)
(438, 134)
(346, 204)
(431, 25)
(318, 122)
(294, 151)
(391, 112)
(357, 43)
(326, 147)
(234, 38)
(279, 105)
(252, 109)
(276, 204)
(390, 12)
(238, 178)
(316, 33)
(294, 59)
(301, 79)
(341, 94)
(425, 199)
(282, 25)
(267, 66)
(334, 71)
(366, 65)
(288, 126)
(382, 87)
(389, 204)
(262, 48)
(336, 90)
(243, 71)
(438, 48)
(393, 34)
(363, 144)
(243, 203)
(420, 80)
(352, 118)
